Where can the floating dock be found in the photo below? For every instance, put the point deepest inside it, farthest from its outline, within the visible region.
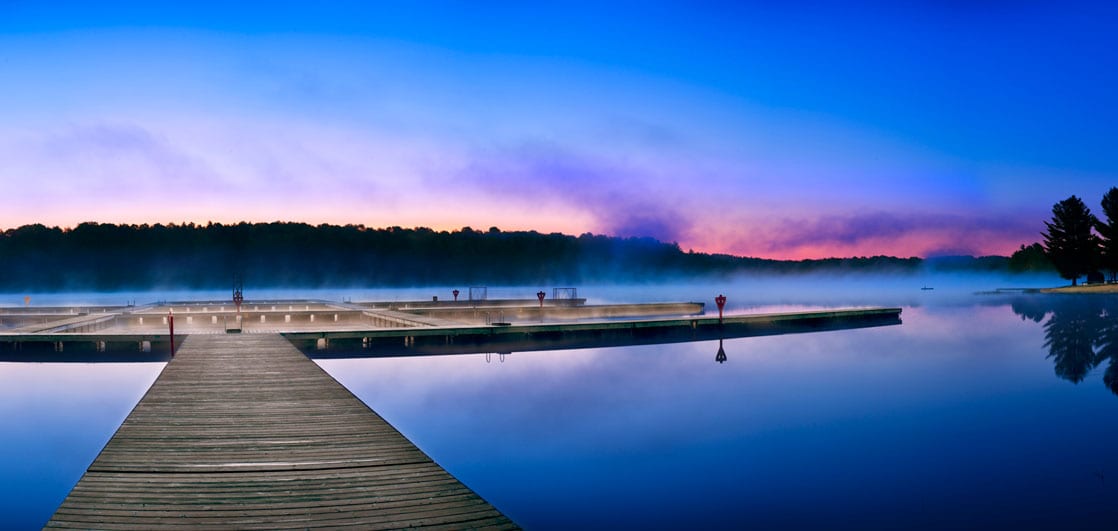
(524, 337)
(331, 329)
(245, 432)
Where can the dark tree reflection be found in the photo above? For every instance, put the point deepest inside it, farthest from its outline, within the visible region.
(1107, 344)
(1080, 334)
(1031, 308)
(1070, 335)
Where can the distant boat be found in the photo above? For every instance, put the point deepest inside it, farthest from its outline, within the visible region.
(926, 288)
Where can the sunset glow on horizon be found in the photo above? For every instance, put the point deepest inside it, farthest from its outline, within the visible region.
(799, 131)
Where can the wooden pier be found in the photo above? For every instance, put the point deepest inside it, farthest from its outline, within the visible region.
(243, 431)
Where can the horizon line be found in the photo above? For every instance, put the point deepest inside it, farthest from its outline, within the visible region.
(363, 226)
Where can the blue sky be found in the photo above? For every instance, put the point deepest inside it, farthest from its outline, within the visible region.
(803, 129)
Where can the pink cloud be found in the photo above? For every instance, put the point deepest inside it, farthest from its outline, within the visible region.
(875, 233)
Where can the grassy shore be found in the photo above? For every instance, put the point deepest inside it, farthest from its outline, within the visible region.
(1092, 288)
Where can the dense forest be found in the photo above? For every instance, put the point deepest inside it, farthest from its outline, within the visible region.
(107, 257)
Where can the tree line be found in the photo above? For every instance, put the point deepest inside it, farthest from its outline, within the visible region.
(1079, 244)
(111, 257)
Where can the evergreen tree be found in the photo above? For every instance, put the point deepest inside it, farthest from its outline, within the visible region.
(1069, 242)
(1109, 232)
(1029, 258)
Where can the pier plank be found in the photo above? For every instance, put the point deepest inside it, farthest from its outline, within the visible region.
(244, 431)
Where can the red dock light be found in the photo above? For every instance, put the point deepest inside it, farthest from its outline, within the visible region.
(720, 300)
(455, 293)
(540, 295)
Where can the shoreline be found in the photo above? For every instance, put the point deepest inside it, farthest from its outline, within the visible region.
(1090, 288)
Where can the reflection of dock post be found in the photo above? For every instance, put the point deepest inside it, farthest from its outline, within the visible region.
(500, 356)
(721, 356)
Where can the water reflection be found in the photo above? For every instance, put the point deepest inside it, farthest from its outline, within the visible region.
(626, 436)
(721, 356)
(1080, 333)
(500, 356)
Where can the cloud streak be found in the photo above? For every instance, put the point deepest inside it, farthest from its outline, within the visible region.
(625, 200)
(122, 156)
(885, 232)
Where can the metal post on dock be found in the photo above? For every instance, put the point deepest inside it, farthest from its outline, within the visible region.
(720, 300)
(171, 325)
(238, 297)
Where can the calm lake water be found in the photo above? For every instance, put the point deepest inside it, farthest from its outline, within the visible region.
(978, 411)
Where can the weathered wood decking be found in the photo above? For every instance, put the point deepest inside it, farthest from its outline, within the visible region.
(243, 431)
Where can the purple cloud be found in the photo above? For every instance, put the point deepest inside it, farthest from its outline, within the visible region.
(122, 156)
(626, 201)
(931, 234)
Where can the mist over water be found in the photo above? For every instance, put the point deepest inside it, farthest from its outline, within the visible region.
(824, 290)
(978, 411)
(742, 291)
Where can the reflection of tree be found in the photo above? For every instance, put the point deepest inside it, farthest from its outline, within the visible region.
(1110, 377)
(1080, 334)
(1108, 345)
(1031, 308)
(1070, 335)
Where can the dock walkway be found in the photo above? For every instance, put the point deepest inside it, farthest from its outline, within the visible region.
(243, 431)
(80, 323)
